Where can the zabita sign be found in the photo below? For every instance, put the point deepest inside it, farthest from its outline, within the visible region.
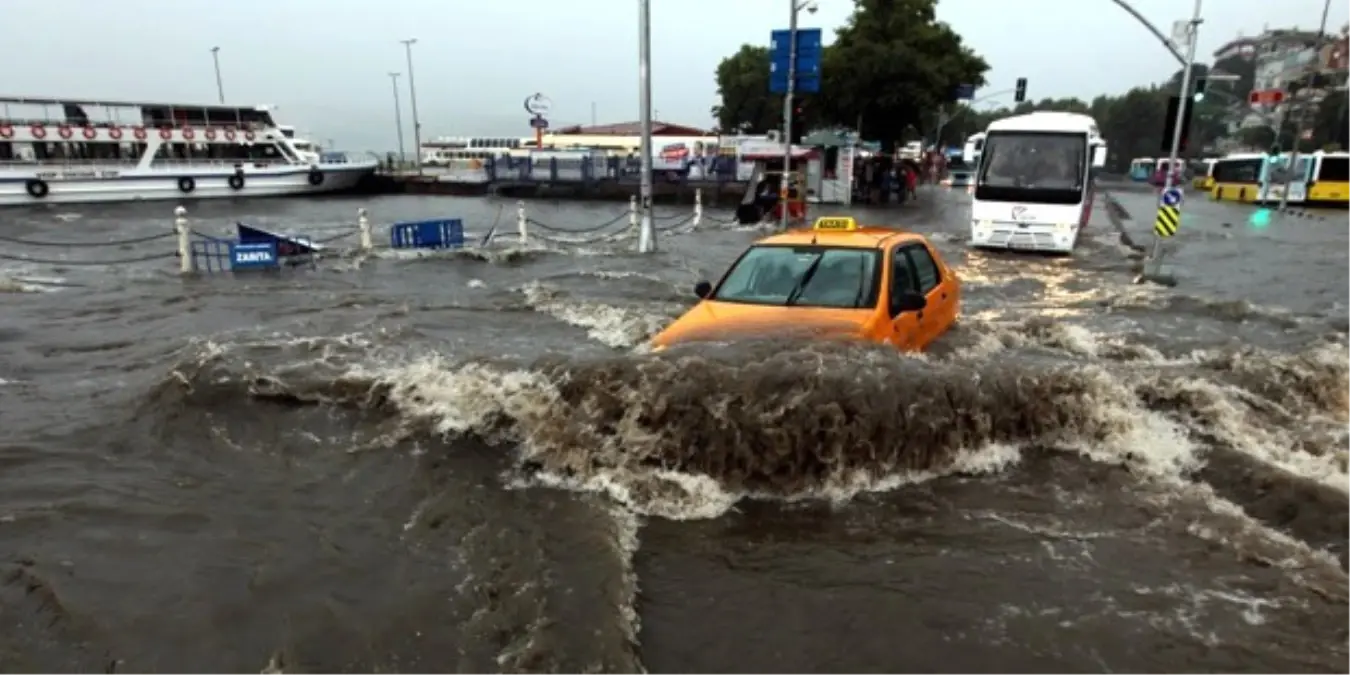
(253, 255)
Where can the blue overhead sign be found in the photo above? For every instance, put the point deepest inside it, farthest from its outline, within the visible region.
(965, 92)
(810, 46)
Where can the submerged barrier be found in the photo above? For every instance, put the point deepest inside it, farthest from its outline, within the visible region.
(253, 248)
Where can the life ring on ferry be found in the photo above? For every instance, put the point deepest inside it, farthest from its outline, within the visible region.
(315, 177)
(139, 133)
(166, 133)
(186, 184)
(237, 181)
(188, 134)
(39, 132)
(115, 133)
(229, 134)
(6, 131)
(248, 136)
(210, 133)
(37, 188)
(90, 133)
(65, 131)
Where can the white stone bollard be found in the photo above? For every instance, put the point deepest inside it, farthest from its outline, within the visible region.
(180, 223)
(522, 222)
(363, 223)
(698, 206)
(632, 212)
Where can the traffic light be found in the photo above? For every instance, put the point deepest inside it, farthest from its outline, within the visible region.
(1170, 122)
(1020, 94)
(1200, 85)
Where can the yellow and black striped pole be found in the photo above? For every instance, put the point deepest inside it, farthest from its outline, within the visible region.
(1168, 221)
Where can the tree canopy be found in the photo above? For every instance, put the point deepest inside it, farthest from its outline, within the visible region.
(890, 65)
(893, 66)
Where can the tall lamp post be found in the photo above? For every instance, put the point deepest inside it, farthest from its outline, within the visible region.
(412, 95)
(220, 87)
(647, 232)
(797, 6)
(1303, 114)
(398, 120)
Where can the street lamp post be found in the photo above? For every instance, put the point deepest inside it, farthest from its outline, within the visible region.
(647, 233)
(398, 121)
(1192, 33)
(220, 87)
(1303, 114)
(797, 6)
(412, 96)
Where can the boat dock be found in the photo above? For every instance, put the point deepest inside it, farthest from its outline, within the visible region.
(600, 178)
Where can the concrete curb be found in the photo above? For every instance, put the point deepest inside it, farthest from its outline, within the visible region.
(1117, 214)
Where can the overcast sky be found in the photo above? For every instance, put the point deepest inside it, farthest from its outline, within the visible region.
(325, 63)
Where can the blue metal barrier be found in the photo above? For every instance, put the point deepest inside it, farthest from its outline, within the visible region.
(431, 234)
(255, 249)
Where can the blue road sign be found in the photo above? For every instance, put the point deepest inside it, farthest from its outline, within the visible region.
(810, 43)
(538, 122)
(965, 92)
(1171, 197)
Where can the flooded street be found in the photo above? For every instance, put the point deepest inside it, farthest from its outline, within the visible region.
(467, 461)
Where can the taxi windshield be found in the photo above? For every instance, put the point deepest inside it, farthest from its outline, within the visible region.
(806, 276)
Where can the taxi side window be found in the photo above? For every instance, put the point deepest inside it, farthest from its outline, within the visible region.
(925, 268)
(902, 274)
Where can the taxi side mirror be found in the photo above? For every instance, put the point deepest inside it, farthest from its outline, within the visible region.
(703, 289)
(907, 302)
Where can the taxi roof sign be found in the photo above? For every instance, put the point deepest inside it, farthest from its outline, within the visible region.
(837, 224)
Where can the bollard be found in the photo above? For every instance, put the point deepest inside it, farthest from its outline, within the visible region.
(180, 223)
(521, 222)
(363, 223)
(632, 212)
(698, 206)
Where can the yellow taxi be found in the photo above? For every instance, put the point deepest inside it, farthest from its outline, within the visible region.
(836, 279)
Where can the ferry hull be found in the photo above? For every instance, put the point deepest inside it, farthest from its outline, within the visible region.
(163, 186)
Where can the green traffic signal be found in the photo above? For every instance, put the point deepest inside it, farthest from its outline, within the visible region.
(1260, 218)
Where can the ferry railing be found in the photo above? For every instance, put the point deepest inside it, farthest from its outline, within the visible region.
(149, 124)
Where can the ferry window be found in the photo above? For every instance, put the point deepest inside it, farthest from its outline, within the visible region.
(1238, 170)
(925, 269)
(6, 151)
(1334, 169)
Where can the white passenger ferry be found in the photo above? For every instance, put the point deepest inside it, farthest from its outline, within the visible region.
(1034, 187)
(80, 151)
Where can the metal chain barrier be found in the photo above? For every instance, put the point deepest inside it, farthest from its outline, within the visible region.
(122, 261)
(87, 244)
(586, 230)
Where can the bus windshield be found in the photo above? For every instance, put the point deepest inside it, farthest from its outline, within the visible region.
(1029, 166)
(807, 276)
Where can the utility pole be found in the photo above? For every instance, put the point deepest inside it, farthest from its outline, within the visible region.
(412, 95)
(1303, 112)
(398, 121)
(647, 234)
(1184, 99)
(220, 87)
(787, 116)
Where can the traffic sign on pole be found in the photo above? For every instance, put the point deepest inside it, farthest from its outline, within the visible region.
(1171, 197)
(809, 48)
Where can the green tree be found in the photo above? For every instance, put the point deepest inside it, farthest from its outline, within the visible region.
(892, 64)
(888, 71)
(746, 105)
